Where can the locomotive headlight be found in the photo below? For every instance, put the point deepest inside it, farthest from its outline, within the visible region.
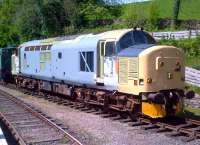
(178, 66)
(161, 64)
(141, 82)
(149, 80)
(169, 75)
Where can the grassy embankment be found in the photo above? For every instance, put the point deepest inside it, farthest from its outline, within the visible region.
(189, 11)
(191, 47)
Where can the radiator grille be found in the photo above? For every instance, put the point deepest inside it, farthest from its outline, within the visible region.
(123, 70)
(128, 69)
(133, 68)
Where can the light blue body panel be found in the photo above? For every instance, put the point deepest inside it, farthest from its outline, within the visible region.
(67, 68)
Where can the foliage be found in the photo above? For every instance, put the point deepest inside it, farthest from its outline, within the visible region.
(144, 14)
(93, 13)
(23, 20)
(176, 10)
(191, 47)
(8, 30)
(195, 89)
(192, 113)
(134, 15)
(153, 15)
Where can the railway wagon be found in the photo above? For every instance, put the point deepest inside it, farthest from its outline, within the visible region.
(5, 63)
(121, 70)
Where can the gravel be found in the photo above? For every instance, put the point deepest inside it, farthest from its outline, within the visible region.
(93, 129)
(194, 102)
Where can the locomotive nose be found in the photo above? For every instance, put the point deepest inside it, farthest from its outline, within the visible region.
(162, 68)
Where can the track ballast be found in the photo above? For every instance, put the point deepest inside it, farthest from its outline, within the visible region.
(188, 129)
(30, 126)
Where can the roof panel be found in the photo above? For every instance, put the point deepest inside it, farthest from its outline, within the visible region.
(134, 51)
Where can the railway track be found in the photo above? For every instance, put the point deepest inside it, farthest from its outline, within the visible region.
(30, 126)
(187, 129)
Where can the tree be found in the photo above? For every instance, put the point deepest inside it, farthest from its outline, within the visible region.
(153, 15)
(95, 14)
(176, 10)
(55, 17)
(72, 12)
(23, 20)
(134, 16)
(30, 20)
(8, 31)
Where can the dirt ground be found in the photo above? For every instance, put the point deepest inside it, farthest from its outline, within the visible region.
(92, 129)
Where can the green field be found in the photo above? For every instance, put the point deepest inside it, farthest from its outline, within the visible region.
(190, 9)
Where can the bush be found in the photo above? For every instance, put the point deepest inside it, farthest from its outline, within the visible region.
(191, 47)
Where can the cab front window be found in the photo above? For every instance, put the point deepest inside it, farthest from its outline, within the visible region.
(135, 37)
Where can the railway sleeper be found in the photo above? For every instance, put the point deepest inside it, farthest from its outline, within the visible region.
(87, 100)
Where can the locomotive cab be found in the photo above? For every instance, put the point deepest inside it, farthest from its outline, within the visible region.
(108, 49)
(156, 74)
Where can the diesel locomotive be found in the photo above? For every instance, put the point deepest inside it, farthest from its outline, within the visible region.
(120, 70)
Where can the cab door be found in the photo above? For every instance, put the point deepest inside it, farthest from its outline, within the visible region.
(100, 61)
(106, 52)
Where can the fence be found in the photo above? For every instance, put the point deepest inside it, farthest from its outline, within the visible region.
(192, 76)
(176, 35)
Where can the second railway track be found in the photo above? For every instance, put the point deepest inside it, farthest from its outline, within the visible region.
(30, 127)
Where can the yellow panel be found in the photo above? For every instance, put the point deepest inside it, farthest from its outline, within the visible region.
(153, 110)
(42, 66)
(133, 68)
(48, 56)
(42, 57)
(123, 70)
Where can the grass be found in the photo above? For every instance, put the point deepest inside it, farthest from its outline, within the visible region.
(189, 8)
(193, 62)
(193, 113)
(189, 112)
(191, 47)
(194, 88)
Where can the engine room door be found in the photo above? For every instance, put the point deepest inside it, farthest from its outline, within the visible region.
(100, 61)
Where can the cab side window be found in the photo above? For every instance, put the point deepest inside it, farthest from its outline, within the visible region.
(110, 48)
(59, 55)
(24, 55)
(87, 61)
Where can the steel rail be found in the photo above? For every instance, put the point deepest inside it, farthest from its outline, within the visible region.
(37, 115)
(188, 127)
